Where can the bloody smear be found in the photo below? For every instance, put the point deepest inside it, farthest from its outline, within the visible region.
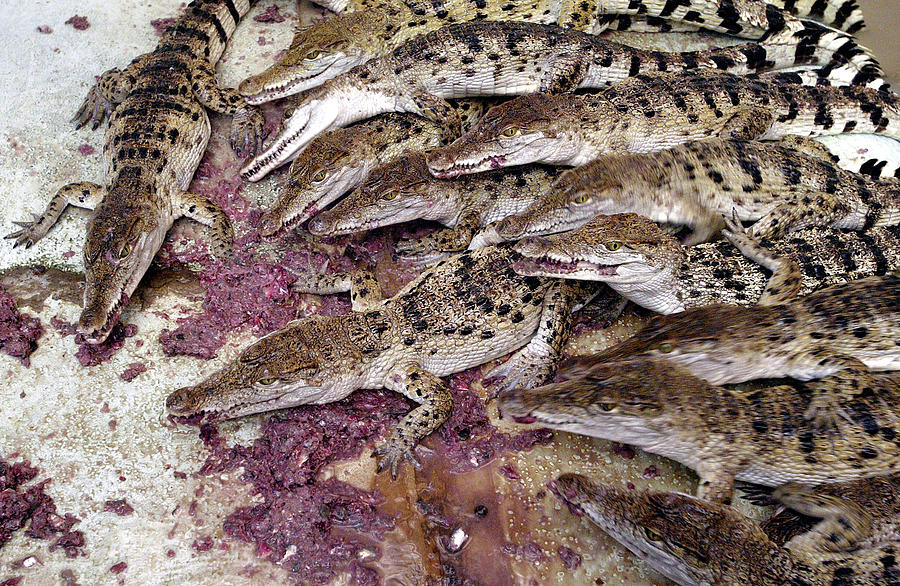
(44, 29)
(119, 507)
(86, 150)
(79, 23)
(569, 558)
(21, 506)
(319, 525)
(134, 369)
(161, 24)
(271, 14)
(119, 568)
(19, 332)
(94, 354)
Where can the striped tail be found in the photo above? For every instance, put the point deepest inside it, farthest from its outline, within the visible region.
(845, 15)
(842, 58)
(212, 21)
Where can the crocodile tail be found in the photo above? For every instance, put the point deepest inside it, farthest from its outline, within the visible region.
(213, 21)
(845, 15)
(841, 57)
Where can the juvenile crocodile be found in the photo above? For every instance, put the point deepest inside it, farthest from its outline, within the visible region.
(648, 266)
(158, 132)
(339, 160)
(459, 313)
(372, 29)
(768, 436)
(695, 542)
(404, 190)
(810, 337)
(650, 113)
(776, 185)
(487, 59)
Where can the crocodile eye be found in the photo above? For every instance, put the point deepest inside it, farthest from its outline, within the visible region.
(509, 131)
(268, 381)
(665, 347)
(313, 54)
(607, 406)
(390, 195)
(288, 113)
(581, 198)
(613, 245)
(653, 535)
(319, 176)
(125, 251)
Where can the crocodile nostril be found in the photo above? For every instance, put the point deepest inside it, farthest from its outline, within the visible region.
(178, 401)
(318, 226)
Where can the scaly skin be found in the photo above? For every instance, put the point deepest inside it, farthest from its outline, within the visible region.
(404, 190)
(652, 113)
(810, 337)
(767, 436)
(650, 267)
(158, 132)
(457, 314)
(370, 30)
(694, 542)
(507, 58)
(777, 186)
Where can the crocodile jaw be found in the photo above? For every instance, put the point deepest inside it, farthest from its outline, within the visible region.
(465, 156)
(280, 81)
(235, 402)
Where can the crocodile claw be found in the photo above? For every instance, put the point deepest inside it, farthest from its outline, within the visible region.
(248, 130)
(96, 108)
(31, 232)
(392, 454)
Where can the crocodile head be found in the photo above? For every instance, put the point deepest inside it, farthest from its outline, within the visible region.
(400, 191)
(521, 131)
(307, 362)
(122, 240)
(718, 343)
(619, 249)
(319, 175)
(684, 538)
(626, 402)
(318, 53)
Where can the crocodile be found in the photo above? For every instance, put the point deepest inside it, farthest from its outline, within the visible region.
(648, 266)
(769, 435)
(487, 59)
(838, 516)
(157, 135)
(339, 160)
(368, 30)
(650, 113)
(778, 186)
(458, 313)
(695, 542)
(809, 337)
(404, 190)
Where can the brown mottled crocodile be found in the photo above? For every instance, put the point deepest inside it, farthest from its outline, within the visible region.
(340, 160)
(779, 186)
(810, 337)
(767, 436)
(695, 542)
(651, 113)
(648, 266)
(158, 132)
(368, 30)
(486, 59)
(459, 313)
(404, 190)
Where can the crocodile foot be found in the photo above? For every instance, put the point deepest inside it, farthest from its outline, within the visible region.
(96, 108)
(248, 131)
(393, 453)
(30, 232)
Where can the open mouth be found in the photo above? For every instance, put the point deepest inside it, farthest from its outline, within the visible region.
(260, 166)
(98, 335)
(215, 415)
(547, 265)
(279, 91)
(456, 169)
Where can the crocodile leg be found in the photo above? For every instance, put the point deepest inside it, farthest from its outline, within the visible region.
(814, 209)
(441, 242)
(563, 76)
(535, 363)
(786, 279)
(809, 146)
(435, 406)
(437, 110)
(717, 479)
(846, 384)
(844, 523)
(247, 123)
(111, 89)
(82, 195)
(199, 208)
(365, 292)
(747, 123)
